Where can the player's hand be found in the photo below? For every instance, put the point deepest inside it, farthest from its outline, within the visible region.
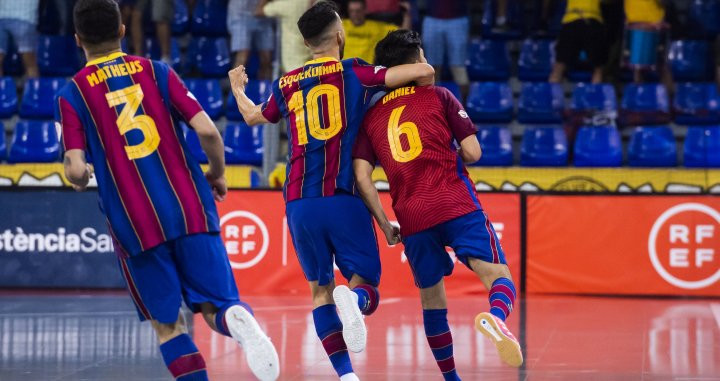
(238, 79)
(218, 185)
(392, 234)
(85, 180)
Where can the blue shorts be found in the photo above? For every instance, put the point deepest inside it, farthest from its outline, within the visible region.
(470, 236)
(446, 36)
(337, 227)
(247, 31)
(194, 268)
(23, 33)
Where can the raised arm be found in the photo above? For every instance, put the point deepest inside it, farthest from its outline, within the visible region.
(213, 146)
(420, 73)
(252, 113)
(369, 194)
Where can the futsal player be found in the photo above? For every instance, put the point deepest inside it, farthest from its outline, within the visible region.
(159, 205)
(324, 102)
(411, 131)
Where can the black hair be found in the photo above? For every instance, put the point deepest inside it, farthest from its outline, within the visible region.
(398, 47)
(97, 21)
(364, 2)
(315, 21)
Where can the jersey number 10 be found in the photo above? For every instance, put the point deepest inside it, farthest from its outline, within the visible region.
(311, 105)
(127, 121)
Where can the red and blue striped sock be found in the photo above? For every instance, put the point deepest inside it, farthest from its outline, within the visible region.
(221, 325)
(439, 337)
(329, 330)
(502, 297)
(183, 360)
(368, 298)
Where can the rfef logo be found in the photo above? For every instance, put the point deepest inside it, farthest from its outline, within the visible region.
(684, 243)
(246, 238)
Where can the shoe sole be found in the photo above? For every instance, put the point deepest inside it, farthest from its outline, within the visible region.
(508, 349)
(260, 353)
(354, 330)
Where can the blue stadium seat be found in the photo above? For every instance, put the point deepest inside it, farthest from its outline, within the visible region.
(696, 103)
(12, 64)
(193, 142)
(57, 56)
(257, 91)
(704, 16)
(3, 144)
(588, 97)
(34, 141)
(453, 87)
(544, 146)
(652, 146)
(490, 102)
(645, 104)
(702, 146)
(496, 144)
(209, 94)
(489, 60)
(209, 18)
(536, 59)
(541, 102)
(243, 144)
(152, 51)
(598, 146)
(211, 56)
(38, 97)
(181, 21)
(8, 97)
(690, 60)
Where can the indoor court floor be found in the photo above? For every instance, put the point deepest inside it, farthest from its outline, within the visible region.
(96, 336)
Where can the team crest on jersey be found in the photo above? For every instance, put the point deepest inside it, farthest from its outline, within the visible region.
(463, 114)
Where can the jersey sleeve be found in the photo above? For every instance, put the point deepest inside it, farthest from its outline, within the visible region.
(458, 119)
(363, 147)
(181, 98)
(369, 75)
(270, 109)
(73, 132)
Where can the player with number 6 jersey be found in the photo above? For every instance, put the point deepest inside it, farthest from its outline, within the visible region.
(120, 111)
(412, 131)
(324, 103)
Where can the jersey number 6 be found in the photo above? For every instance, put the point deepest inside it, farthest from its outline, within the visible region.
(127, 121)
(298, 106)
(410, 130)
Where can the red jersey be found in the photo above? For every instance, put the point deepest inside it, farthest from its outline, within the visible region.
(410, 131)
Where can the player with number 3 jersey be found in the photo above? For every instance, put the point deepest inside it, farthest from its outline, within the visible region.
(324, 103)
(120, 111)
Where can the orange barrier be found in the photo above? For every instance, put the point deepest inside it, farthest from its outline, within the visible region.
(260, 249)
(641, 245)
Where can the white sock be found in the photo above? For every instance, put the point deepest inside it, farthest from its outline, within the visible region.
(349, 377)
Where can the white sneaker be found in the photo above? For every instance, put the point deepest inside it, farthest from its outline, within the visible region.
(495, 329)
(260, 354)
(349, 377)
(354, 331)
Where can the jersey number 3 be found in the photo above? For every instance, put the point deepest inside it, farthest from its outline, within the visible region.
(410, 130)
(127, 121)
(298, 106)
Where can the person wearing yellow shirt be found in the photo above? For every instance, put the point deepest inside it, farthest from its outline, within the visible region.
(582, 30)
(361, 34)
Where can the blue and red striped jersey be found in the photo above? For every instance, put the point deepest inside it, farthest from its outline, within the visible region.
(120, 110)
(324, 103)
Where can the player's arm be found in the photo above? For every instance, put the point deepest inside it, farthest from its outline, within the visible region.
(462, 128)
(213, 146)
(420, 73)
(470, 150)
(252, 113)
(369, 194)
(77, 171)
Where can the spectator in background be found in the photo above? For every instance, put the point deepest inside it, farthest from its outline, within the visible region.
(246, 30)
(361, 34)
(582, 30)
(446, 29)
(163, 12)
(644, 20)
(19, 20)
(293, 52)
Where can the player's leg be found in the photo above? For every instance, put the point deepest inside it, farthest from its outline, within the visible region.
(208, 286)
(477, 246)
(154, 287)
(314, 254)
(429, 263)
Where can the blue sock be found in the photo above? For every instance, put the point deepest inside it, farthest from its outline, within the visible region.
(183, 360)
(439, 337)
(502, 297)
(368, 298)
(329, 330)
(220, 318)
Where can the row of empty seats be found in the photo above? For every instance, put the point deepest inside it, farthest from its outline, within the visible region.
(600, 146)
(37, 141)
